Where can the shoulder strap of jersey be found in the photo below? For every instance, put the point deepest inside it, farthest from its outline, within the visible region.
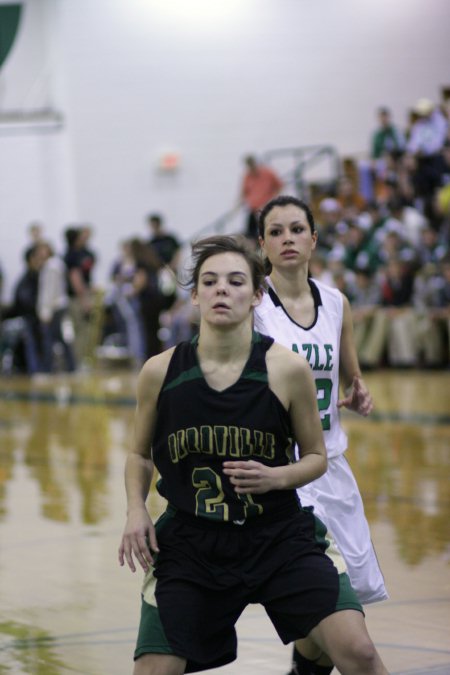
(183, 366)
(256, 368)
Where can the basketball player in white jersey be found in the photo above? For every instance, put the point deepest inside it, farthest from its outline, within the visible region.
(314, 320)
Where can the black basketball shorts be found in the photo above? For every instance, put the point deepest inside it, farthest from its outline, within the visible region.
(207, 573)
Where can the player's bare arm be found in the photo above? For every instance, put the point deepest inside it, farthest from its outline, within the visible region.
(139, 539)
(357, 396)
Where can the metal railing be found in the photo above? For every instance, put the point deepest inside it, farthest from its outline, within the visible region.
(295, 167)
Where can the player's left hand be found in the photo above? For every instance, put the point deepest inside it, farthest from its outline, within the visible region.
(358, 398)
(252, 477)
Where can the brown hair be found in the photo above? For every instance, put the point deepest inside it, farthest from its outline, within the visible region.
(205, 248)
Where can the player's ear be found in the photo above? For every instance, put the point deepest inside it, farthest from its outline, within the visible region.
(194, 297)
(257, 297)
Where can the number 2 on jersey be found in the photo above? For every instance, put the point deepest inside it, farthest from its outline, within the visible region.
(324, 386)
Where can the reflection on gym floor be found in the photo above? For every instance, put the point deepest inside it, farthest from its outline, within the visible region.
(67, 607)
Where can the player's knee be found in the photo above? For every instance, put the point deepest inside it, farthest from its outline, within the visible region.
(364, 655)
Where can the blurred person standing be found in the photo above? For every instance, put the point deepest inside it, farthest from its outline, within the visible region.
(123, 299)
(260, 184)
(80, 260)
(386, 138)
(25, 307)
(148, 293)
(167, 248)
(426, 140)
(52, 309)
(164, 243)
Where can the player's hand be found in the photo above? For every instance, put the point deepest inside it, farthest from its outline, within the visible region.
(252, 477)
(358, 398)
(138, 540)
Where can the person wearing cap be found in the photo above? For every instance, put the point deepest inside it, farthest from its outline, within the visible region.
(429, 131)
(426, 140)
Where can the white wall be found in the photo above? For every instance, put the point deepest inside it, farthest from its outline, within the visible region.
(210, 79)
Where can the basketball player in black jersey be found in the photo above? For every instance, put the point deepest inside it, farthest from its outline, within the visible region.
(218, 417)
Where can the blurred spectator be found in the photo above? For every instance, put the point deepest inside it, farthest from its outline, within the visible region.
(318, 270)
(410, 220)
(431, 299)
(343, 280)
(444, 164)
(378, 215)
(25, 307)
(429, 131)
(52, 309)
(384, 319)
(395, 182)
(369, 323)
(361, 251)
(79, 260)
(180, 322)
(387, 147)
(392, 244)
(165, 244)
(427, 138)
(329, 224)
(396, 298)
(431, 247)
(259, 185)
(148, 293)
(350, 199)
(387, 138)
(123, 299)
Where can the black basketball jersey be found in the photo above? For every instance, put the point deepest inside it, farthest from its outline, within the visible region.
(198, 428)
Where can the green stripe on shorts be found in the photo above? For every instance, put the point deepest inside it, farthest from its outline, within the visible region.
(347, 598)
(151, 637)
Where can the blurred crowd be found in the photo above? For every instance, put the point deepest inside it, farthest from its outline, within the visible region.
(59, 320)
(383, 228)
(384, 240)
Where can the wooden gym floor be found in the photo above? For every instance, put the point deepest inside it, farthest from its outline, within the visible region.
(67, 607)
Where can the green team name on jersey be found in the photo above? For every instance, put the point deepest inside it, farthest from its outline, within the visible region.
(223, 441)
(319, 357)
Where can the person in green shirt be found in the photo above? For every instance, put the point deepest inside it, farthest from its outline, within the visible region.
(386, 138)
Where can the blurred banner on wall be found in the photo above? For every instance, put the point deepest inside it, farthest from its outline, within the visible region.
(9, 24)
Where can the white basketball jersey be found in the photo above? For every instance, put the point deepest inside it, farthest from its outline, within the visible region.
(319, 344)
